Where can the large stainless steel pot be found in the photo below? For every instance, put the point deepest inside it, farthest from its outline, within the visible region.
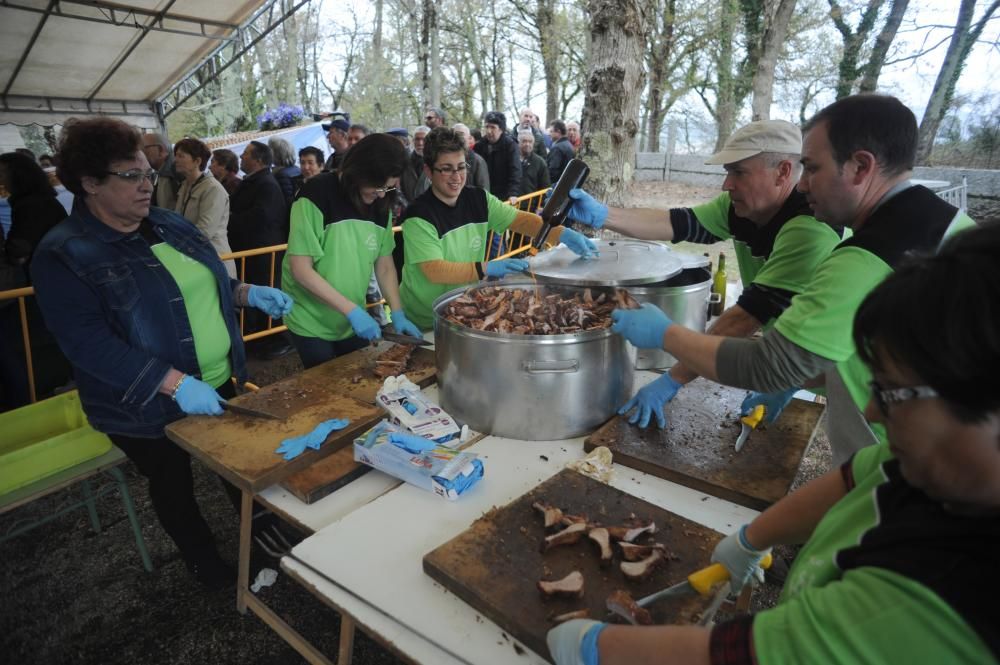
(676, 282)
(685, 299)
(533, 387)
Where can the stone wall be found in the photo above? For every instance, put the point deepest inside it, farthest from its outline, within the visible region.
(983, 185)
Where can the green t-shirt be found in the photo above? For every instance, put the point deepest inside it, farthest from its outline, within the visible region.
(781, 255)
(433, 230)
(201, 301)
(857, 594)
(325, 227)
(821, 318)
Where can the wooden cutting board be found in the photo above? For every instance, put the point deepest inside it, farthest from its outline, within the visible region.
(495, 564)
(352, 375)
(325, 476)
(697, 447)
(242, 448)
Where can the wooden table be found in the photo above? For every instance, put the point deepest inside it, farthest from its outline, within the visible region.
(241, 449)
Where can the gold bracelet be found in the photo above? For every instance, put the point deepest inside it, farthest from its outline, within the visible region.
(173, 391)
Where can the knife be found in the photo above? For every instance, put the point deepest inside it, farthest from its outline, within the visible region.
(748, 423)
(247, 411)
(700, 582)
(554, 212)
(405, 339)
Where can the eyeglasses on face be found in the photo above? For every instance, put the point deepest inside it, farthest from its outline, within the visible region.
(382, 191)
(430, 117)
(449, 169)
(135, 176)
(884, 398)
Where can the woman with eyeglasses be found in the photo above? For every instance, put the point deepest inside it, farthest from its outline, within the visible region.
(445, 230)
(144, 310)
(202, 200)
(341, 228)
(901, 542)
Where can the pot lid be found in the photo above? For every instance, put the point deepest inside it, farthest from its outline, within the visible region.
(621, 262)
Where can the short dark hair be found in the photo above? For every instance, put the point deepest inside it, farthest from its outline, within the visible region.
(559, 126)
(439, 141)
(27, 153)
(88, 146)
(369, 163)
(196, 149)
(315, 152)
(952, 343)
(228, 159)
(262, 153)
(46, 156)
(24, 176)
(879, 124)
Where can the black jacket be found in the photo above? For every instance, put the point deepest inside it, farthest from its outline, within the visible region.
(534, 174)
(503, 162)
(257, 213)
(560, 154)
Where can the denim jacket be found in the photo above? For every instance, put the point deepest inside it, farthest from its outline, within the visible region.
(120, 318)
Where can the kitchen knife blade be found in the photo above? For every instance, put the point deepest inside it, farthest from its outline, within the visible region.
(247, 411)
(404, 339)
(554, 211)
(748, 423)
(699, 582)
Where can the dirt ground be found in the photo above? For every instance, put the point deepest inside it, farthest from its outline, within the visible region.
(70, 595)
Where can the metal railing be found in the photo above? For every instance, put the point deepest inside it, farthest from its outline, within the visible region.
(513, 244)
(958, 195)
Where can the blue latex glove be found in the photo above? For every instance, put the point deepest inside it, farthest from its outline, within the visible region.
(403, 325)
(578, 243)
(293, 447)
(643, 327)
(503, 267)
(740, 559)
(650, 400)
(364, 325)
(273, 302)
(197, 398)
(411, 443)
(774, 403)
(585, 209)
(575, 642)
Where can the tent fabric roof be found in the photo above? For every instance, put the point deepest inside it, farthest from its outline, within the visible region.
(69, 57)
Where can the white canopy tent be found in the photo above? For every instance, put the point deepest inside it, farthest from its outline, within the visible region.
(136, 60)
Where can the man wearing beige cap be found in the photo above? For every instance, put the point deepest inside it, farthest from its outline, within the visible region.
(778, 242)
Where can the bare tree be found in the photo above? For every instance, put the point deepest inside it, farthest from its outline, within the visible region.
(962, 40)
(778, 14)
(872, 70)
(855, 41)
(615, 80)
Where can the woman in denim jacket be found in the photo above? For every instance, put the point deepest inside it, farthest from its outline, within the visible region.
(143, 308)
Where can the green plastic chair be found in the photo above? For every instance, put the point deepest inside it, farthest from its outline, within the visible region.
(48, 447)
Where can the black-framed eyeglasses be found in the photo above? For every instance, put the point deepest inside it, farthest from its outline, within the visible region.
(430, 117)
(884, 398)
(135, 176)
(382, 191)
(450, 170)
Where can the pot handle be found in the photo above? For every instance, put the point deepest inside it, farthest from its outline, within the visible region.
(714, 298)
(550, 366)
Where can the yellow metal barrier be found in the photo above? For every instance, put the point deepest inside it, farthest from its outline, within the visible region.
(515, 242)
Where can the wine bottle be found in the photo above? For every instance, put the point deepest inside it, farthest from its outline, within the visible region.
(719, 286)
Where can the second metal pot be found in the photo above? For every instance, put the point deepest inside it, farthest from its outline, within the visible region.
(685, 299)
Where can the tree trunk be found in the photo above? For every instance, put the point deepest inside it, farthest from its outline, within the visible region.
(725, 105)
(854, 40)
(545, 19)
(962, 41)
(869, 82)
(424, 51)
(779, 14)
(435, 83)
(615, 80)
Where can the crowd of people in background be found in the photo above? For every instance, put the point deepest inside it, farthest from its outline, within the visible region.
(244, 202)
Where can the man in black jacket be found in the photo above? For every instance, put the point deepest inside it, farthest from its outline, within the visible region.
(534, 170)
(500, 153)
(257, 216)
(561, 151)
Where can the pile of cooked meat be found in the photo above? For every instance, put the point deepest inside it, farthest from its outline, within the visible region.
(393, 361)
(541, 311)
(638, 561)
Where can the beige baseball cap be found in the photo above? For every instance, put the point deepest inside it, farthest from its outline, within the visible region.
(757, 137)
